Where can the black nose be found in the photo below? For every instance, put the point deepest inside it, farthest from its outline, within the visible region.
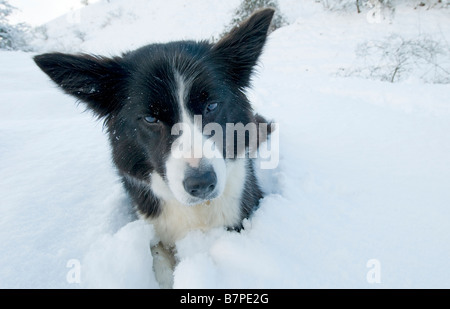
(200, 184)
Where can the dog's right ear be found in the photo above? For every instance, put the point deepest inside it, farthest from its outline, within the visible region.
(97, 81)
(239, 50)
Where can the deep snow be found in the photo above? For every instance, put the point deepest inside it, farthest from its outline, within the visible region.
(364, 166)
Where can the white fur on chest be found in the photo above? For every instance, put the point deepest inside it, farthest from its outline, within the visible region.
(176, 219)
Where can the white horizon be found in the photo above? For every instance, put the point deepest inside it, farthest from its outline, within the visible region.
(36, 13)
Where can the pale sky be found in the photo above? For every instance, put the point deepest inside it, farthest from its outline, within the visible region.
(37, 12)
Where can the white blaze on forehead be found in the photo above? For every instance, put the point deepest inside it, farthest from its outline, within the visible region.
(183, 86)
(182, 91)
(187, 149)
(194, 134)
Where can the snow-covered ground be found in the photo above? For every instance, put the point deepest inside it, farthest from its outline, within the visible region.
(362, 191)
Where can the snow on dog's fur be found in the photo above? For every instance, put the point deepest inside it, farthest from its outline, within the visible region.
(144, 94)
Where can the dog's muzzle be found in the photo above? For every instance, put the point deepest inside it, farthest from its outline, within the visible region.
(200, 183)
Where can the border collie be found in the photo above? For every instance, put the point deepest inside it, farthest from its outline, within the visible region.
(161, 104)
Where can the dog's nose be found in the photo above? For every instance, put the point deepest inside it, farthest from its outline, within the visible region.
(200, 184)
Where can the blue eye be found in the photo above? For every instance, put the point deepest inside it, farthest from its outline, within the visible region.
(151, 119)
(211, 106)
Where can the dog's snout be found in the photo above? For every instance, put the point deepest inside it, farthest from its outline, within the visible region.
(200, 184)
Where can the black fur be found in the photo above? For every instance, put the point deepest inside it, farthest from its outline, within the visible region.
(124, 90)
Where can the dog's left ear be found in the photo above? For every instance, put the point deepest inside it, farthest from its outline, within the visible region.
(238, 52)
(95, 80)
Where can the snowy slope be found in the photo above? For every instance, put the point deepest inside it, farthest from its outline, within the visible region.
(120, 26)
(364, 165)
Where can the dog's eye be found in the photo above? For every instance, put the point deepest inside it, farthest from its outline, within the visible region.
(211, 106)
(151, 119)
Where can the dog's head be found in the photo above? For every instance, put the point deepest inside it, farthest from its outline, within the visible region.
(165, 105)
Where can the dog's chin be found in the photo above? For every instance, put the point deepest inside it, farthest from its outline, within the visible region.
(190, 201)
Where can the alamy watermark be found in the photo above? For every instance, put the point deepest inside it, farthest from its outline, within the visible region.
(374, 16)
(74, 273)
(374, 273)
(379, 10)
(251, 140)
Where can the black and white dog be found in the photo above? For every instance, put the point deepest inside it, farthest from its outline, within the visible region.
(164, 106)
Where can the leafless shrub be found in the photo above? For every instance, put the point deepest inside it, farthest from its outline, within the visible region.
(395, 59)
(12, 37)
(247, 7)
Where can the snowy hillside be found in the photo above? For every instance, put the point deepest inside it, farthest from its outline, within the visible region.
(125, 25)
(362, 185)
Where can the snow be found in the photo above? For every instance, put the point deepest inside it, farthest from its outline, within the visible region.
(364, 165)
(95, 28)
(37, 13)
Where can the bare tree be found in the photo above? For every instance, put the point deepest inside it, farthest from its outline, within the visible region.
(247, 7)
(12, 37)
(395, 59)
